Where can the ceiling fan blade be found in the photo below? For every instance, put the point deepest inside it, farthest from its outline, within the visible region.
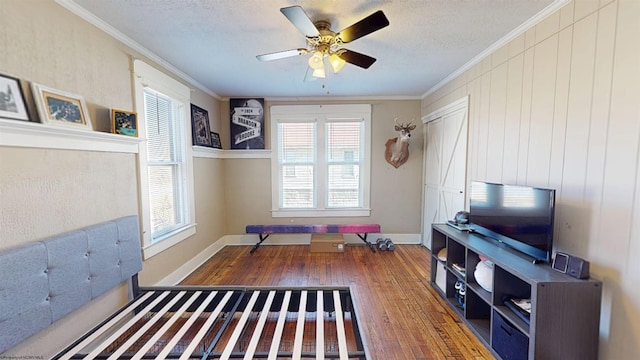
(299, 18)
(361, 60)
(281, 54)
(371, 23)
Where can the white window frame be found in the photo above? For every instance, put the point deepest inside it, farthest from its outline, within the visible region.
(146, 76)
(320, 114)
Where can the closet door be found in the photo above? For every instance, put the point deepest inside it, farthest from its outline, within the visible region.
(445, 163)
(432, 158)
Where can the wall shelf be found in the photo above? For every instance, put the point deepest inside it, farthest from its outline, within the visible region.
(28, 134)
(207, 152)
(36, 135)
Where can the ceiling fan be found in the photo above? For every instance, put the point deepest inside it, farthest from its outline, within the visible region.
(323, 43)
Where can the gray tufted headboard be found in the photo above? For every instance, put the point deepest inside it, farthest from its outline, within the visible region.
(43, 281)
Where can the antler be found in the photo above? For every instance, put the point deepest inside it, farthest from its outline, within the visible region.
(402, 125)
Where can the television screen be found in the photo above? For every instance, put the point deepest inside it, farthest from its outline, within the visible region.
(519, 216)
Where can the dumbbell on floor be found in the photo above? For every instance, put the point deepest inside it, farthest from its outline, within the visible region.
(381, 244)
(390, 245)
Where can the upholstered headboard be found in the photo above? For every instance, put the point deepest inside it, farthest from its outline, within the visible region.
(43, 281)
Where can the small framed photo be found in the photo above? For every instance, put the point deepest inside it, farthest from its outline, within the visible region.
(124, 122)
(215, 140)
(12, 104)
(57, 107)
(200, 126)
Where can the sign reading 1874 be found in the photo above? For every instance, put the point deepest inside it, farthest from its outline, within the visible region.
(247, 123)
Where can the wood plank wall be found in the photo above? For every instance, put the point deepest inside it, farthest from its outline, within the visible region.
(558, 107)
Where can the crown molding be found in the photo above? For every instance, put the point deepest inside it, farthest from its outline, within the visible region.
(110, 30)
(533, 21)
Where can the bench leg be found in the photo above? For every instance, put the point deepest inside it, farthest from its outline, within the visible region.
(263, 237)
(364, 238)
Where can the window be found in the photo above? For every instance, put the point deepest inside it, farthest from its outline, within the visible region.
(321, 164)
(166, 173)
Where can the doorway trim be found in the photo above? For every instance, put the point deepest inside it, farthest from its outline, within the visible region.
(442, 113)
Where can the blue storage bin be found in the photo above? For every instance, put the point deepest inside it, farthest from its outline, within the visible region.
(507, 341)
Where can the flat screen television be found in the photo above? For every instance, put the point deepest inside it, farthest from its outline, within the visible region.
(518, 216)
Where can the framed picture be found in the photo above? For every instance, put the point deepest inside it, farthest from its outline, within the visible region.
(200, 126)
(247, 123)
(124, 122)
(57, 107)
(12, 104)
(215, 140)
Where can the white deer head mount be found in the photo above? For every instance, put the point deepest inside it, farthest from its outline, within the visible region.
(397, 148)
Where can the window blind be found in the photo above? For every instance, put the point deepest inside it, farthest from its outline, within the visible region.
(344, 151)
(164, 161)
(297, 156)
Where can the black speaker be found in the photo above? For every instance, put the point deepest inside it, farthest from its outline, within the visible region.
(571, 265)
(578, 268)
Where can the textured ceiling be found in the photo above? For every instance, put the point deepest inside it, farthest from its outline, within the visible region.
(215, 42)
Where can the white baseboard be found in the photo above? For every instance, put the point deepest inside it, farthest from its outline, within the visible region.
(275, 239)
(190, 266)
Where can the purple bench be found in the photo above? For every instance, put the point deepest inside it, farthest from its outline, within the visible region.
(361, 230)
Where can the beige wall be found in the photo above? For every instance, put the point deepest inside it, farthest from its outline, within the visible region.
(558, 107)
(395, 193)
(44, 192)
(565, 95)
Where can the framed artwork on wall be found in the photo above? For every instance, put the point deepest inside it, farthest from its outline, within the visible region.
(215, 140)
(12, 105)
(247, 123)
(200, 126)
(57, 107)
(124, 122)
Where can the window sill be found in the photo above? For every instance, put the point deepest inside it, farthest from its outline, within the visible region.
(314, 213)
(37, 135)
(168, 241)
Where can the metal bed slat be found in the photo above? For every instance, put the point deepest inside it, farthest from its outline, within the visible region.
(203, 331)
(239, 327)
(255, 338)
(297, 345)
(143, 350)
(126, 327)
(277, 334)
(342, 338)
(133, 338)
(320, 325)
(185, 327)
(68, 355)
(244, 332)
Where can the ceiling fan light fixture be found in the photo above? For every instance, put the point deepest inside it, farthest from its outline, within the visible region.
(323, 42)
(316, 61)
(336, 62)
(319, 73)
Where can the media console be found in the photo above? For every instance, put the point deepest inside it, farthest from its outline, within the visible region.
(565, 312)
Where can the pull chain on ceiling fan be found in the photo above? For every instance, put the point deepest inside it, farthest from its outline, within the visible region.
(323, 43)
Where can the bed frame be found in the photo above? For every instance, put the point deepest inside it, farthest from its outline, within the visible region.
(45, 280)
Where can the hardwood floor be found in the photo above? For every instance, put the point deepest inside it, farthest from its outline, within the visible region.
(401, 314)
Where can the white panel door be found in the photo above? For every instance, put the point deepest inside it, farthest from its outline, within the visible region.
(453, 173)
(432, 158)
(445, 164)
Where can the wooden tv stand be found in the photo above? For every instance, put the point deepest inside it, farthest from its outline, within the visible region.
(565, 312)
